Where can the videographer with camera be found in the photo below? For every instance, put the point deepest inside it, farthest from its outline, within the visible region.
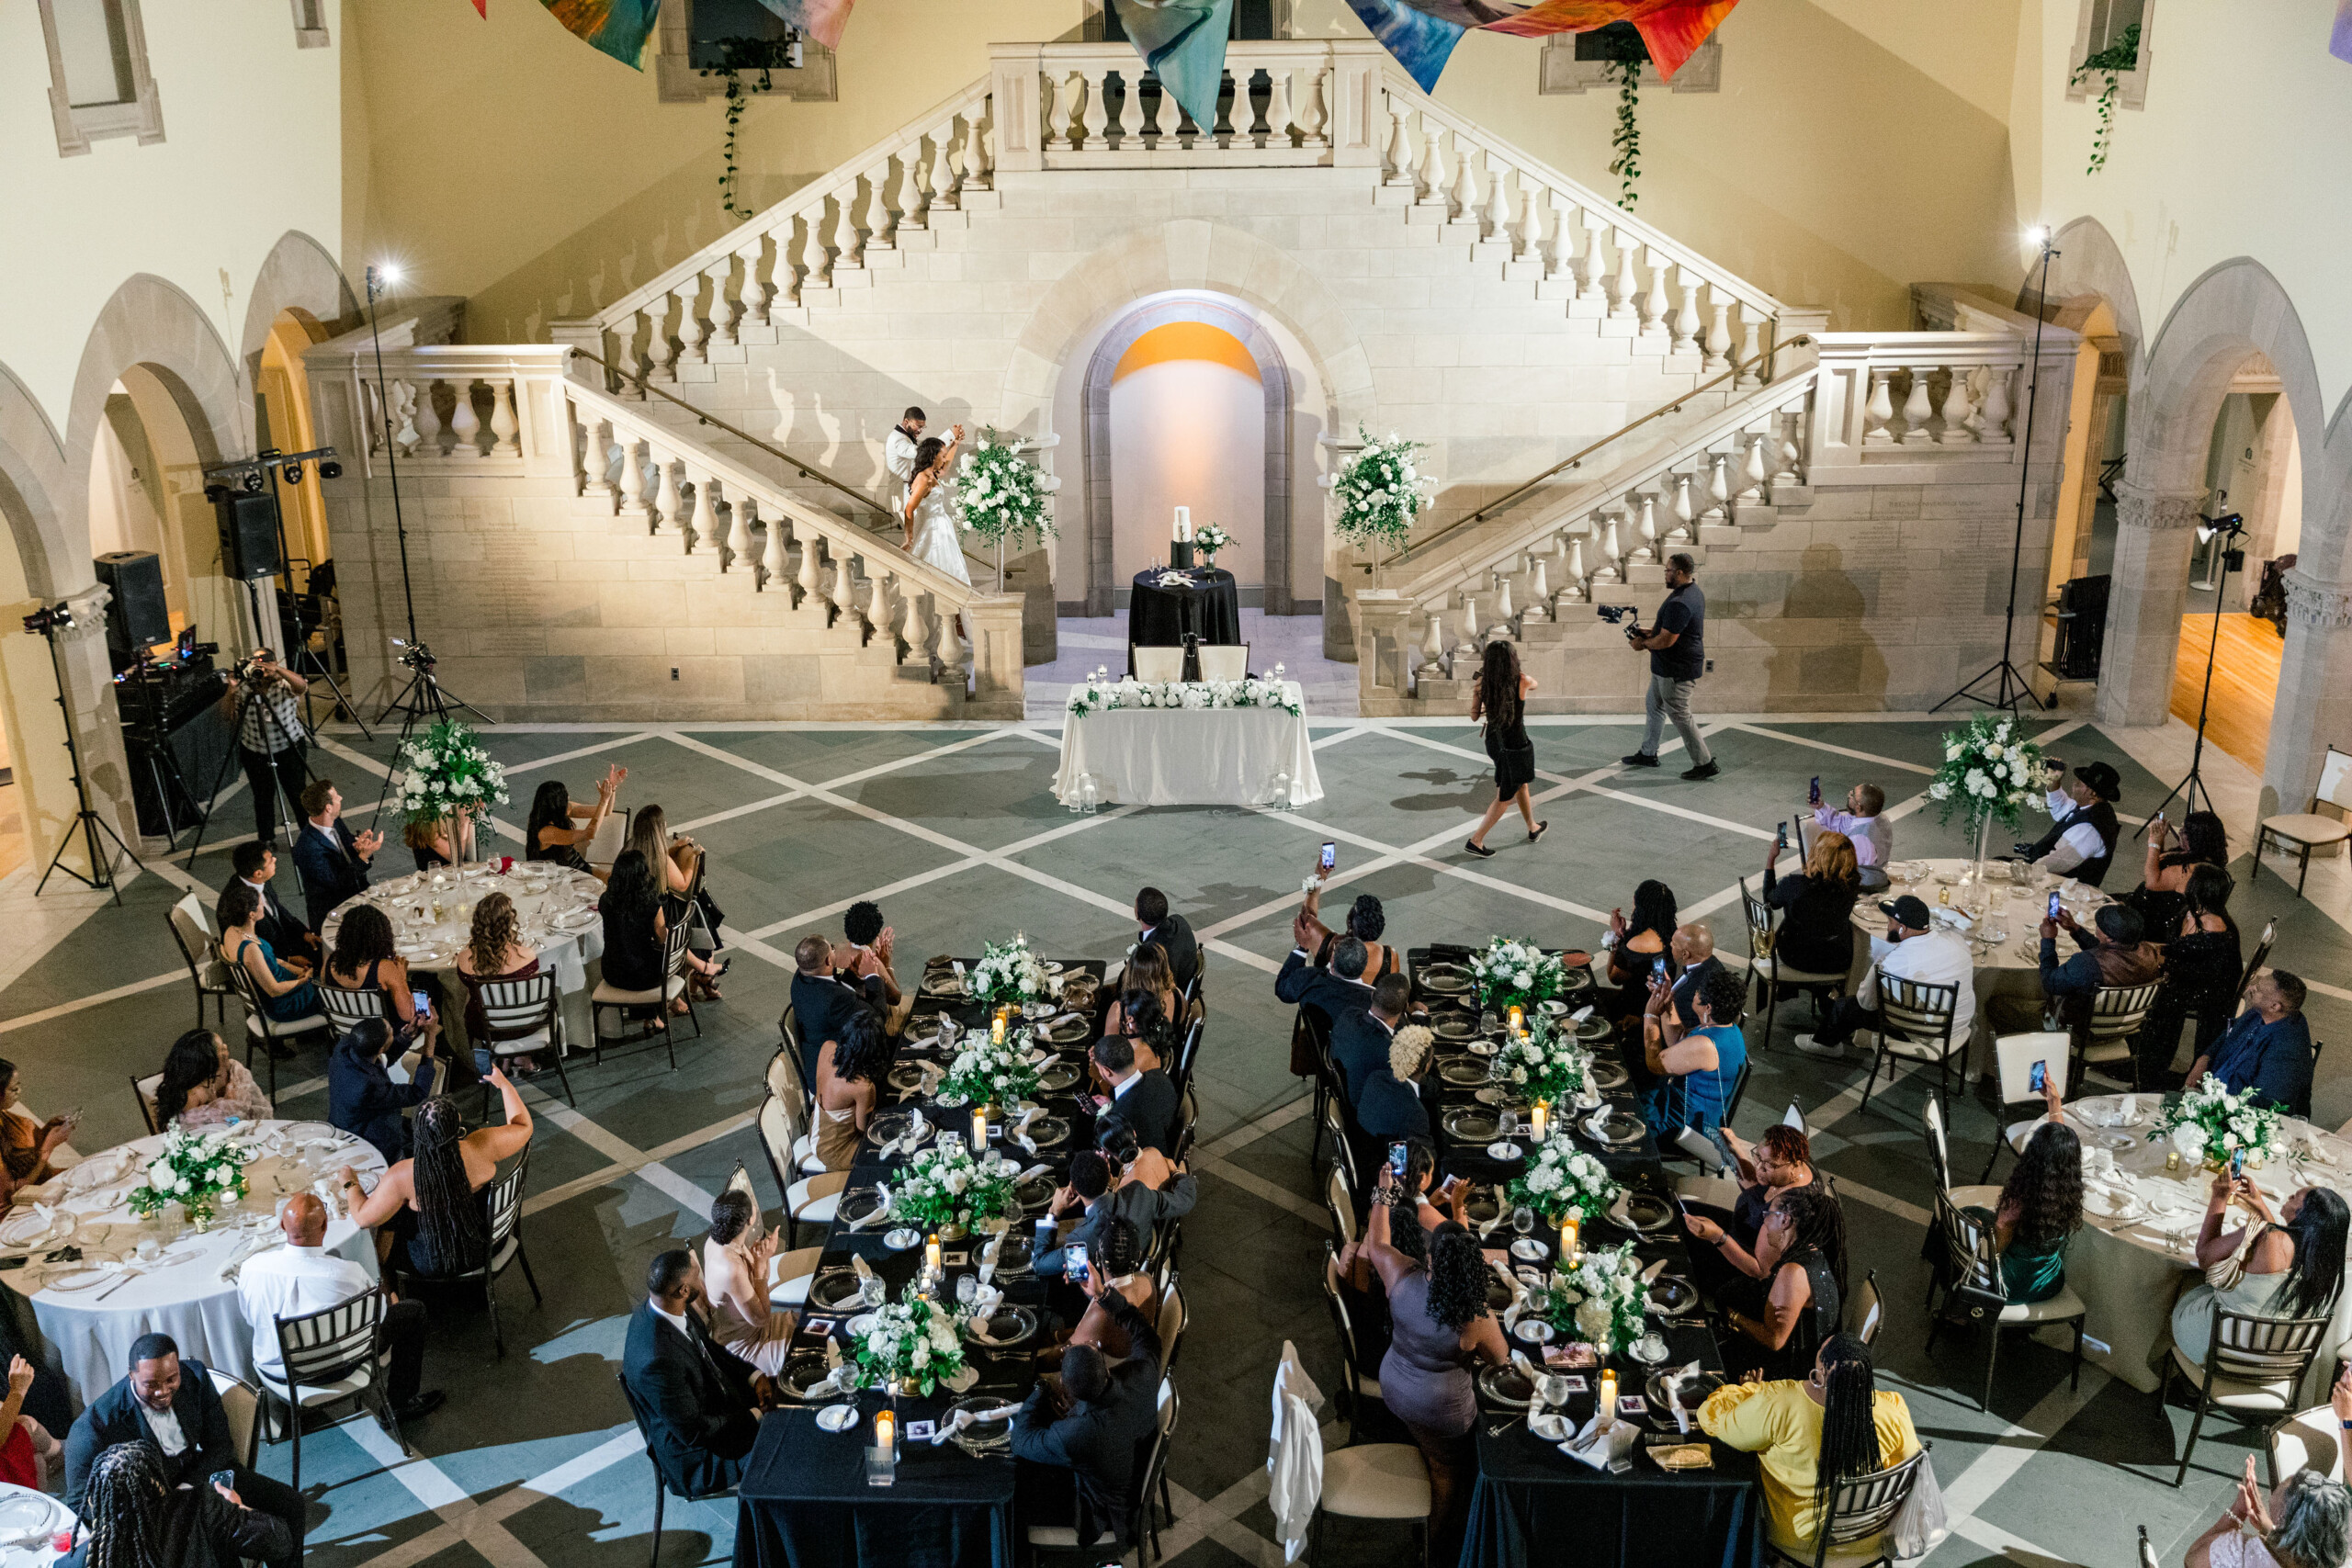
(1678, 651)
(263, 701)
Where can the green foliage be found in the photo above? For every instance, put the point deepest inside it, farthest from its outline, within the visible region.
(2121, 55)
(1626, 54)
(737, 56)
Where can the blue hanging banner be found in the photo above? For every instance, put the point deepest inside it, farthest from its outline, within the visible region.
(1421, 42)
(1184, 42)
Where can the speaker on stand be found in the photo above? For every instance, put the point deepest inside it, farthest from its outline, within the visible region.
(137, 615)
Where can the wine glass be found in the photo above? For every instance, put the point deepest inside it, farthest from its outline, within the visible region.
(871, 1290)
(1552, 1389)
(1506, 1122)
(968, 1288)
(1522, 1220)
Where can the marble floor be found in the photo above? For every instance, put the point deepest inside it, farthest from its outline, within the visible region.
(952, 828)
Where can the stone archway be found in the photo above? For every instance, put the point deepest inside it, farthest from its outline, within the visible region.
(1273, 375)
(2089, 261)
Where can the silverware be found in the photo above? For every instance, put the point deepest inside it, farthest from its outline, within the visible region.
(127, 1275)
(1499, 1427)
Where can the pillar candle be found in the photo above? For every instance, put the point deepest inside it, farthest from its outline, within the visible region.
(931, 1256)
(996, 1029)
(1570, 1248)
(886, 1432)
(1535, 1123)
(980, 1130)
(1608, 1412)
(1184, 523)
(1516, 1018)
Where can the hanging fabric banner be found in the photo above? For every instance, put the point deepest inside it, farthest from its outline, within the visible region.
(820, 19)
(1184, 42)
(482, 9)
(1670, 29)
(1421, 42)
(617, 27)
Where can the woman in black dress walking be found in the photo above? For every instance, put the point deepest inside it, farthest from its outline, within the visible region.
(1500, 702)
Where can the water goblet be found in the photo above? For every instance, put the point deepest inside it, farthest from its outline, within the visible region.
(1552, 1389)
(871, 1290)
(1505, 1122)
(1522, 1220)
(968, 1288)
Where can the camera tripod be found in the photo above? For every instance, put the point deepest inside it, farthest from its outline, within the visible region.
(88, 823)
(272, 731)
(421, 701)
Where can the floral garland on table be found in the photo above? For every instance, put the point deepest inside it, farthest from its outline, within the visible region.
(1602, 1300)
(1545, 1063)
(1009, 974)
(1562, 1179)
(945, 1188)
(990, 1071)
(195, 1171)
(2210, 1124)
(915, 1342)
(1513, 971)
(1991, 771)
(1099, 691)
(1381, 490)
(1002, 497)
(1211, 538)
(446, 772)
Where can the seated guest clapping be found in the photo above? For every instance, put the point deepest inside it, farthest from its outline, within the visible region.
(29, 1454)
(133, 1517)
(1146, 1103)
(1828, 1425)
(1360, 1039)
(2266, 1048)
(1725, 1260)
(2293, 1263)
(549, 833)
(302, 1277)
(1389, 1106)
(2307, 1518)
(205, 1087)
(1092, 1420)
(333, 861)
(1144, 1189)
(869, 957)
(1804, 1294)
(1865, 826)
(1697, 1069)
(1367, 922)
(170, 1406)
(850, 1069)
(698, 1408)
(430, 1201)
(362, 1098)
(735, 1260)
(822, 999)
(2116, 955)
(1920, 950)
(1334, 992)
(1816, 930)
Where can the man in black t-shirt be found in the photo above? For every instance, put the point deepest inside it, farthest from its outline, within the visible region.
(1678, 648)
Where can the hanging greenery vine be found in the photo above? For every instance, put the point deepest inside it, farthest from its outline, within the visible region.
(1622, 48)
(2121, 55)
(735, 57)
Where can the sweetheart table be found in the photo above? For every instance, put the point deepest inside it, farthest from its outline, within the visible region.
(1189, 756)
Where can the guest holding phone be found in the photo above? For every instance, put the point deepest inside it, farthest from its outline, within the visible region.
(2041, 1206)
(366, 959)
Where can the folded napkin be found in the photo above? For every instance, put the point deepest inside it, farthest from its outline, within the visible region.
(254, 1248)
(963, 1418)
(865, 1271)
(1599, 1448)
(987, 1260)
(1597, 1123)
(984, 1299)
(962, 1381)
(1526, 1368)
(1038, 1059)
(1020, 1135)
(1488, 1228)
(1674, 1381)
(1581, 1013)
(1650, 1274)
(1032, 1171)
(881, 1209)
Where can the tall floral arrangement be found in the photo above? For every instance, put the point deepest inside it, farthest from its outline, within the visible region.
(1990, 771)
(447, 771)
(1601, 1299)
(1514, 972)
(915, 1341)
(1003, 496)
(1544, 1062)
(2210, 1124)
(949, 1188)
(1008, 974)
(201, 1171)
(1381, 490)
(1562, 1179)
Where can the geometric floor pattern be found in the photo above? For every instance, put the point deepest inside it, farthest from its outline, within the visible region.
(952, 830)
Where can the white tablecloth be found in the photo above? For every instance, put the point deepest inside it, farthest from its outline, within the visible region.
(556, 907)
(2131, 1266)
(181, 1292)
(1189, 756)
(27, 1510)
(2008, 967)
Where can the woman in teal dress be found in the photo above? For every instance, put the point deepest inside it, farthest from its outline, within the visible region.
(2294, 1261)
(2040, 1208)
(284, 985)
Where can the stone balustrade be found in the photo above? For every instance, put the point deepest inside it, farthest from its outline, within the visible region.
(1904, 397)
(1085, 105)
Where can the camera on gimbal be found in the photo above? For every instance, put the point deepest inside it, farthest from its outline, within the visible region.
(415, 655)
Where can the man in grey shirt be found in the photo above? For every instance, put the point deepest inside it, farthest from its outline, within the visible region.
(1678, 648)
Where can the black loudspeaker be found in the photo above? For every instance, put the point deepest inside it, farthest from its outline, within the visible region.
(135, 614)
(249, 535)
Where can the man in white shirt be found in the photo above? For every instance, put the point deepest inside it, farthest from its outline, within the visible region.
(899, 453)
(302, 1277)
(1862, 822)
(1921, 951)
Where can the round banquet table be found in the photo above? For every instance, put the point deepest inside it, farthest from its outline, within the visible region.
(85, 1334)
(556, 905)
(1207, 604)
(2010, 966)
(2136, 1250)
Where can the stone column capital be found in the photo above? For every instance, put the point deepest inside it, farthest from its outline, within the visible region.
(2156, 511)
(2316, 605)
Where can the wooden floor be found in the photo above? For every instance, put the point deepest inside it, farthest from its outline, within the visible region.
(2246, 681)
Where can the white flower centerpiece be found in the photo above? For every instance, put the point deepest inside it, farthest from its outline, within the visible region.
(1992, 772)
(1101, 690)
(1001, 496)
(1602, 1300)
(914, 1342)
(1562, 1179)
(1513, 971)
(954, 1191)
(1381, 490)
(1209, 539)
(445, 772)
(1544, 1062)
(202, 1172)
(2208, 1123)
(988, 1071)
(1009, 974)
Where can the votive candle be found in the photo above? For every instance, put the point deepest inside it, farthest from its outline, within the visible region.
(1607, 1411)
(1536, 1122)
(1516, 1018)
(996, 1029)
(1571, 1250)
(931, 1256)
(979, 1129)
(885, 1433)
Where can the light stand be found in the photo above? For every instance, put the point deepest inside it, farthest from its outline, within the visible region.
(253, 475)
(47, 623)
(2013, 687)
(290, 805)
(2190, 789)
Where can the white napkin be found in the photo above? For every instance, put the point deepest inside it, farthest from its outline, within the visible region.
(865, 1271)
(949, 1428)
(1581, 1013)
(2131, 1109)
(1650, 1274)
(1020, 1135)
(1488, 1228)
(987, 1260)
(253, 1247)
(1526, 1368)
(1674, 1381)
(1034, 1170)
(961, 1380)
(984, 1299)
(1599, 1448)
(881, 1211)
(1038, 1059)
(1596, 1124)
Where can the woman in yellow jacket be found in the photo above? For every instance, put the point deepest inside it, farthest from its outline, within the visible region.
(1830, 1427)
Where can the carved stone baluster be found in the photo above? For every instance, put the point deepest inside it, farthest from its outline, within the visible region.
(1464, 201)
(1718, 488)
(911, 630)
(1654, 307)
(705, 534)
(1576, 574)
(504, 427)
(1718, 336)
(428, 420)
(669, 501)
(1097, 113)
(1278, 111)
(847, 243)
(1610, 552)
(878, 606)
(1790, 423)
(1433, 177)
(1915, 410)
(1592, 266)
(1497, 218)
(1530, 238)
(1686, 320)
(724, 311)
(1878, 412)
(1433, 641)
(632, 476)
(739, 534)
(660, 352)
(844, 593)
(1468, 645)
(948, 647)
(978, 172)
(878, 208)
(1646, 526)
(812, 564)
(1751, 471)
(912, 201)
(1751, 349)
(759, 295)
(816, 256)
(1996, 429)
(943, 168)
(405, 400)
(1128, 124)
(691, 331)
(1957, 409)
(465, 425)
(775, 561)
(1622, 293)
(1539, 592)
(1314, 112)
(596, 455)
(1165, 118)
(1053, 98)
(1400, 144)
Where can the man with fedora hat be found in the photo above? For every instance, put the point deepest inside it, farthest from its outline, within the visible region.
(2081, 841)
(1918, 949)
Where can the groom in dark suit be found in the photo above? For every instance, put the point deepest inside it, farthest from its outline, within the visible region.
(1146, 1104)
(332, 860)
(1155, 924)
(255, 864)
(694, 1400)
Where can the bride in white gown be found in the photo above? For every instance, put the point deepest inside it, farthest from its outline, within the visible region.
(931, 520)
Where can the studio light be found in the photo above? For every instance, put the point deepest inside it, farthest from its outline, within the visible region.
(330, 470)
(2207, 527)
(291, 473)
(253, 481)
(2037, 236)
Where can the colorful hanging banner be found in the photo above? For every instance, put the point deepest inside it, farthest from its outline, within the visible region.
(1184, 42)
(820, 19)
(1671, 28)
(482, 9)
(617, 27)
(1421, 43)
(2339, 43)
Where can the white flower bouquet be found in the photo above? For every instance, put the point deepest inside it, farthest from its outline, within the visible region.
(1562, 1179)
(1003, 496)
(202, 1172)
(915, 1342)
(1009, 974)
(987, 1071)
(1381, 490)
(1101, 691)
(1513, 971)
(1991, 772)
(445, 772)
(1601, 1299)
(1209, 539)
(2208, 1123)
(1544, 1064)
(945, 1189)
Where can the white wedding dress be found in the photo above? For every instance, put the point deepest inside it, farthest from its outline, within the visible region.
(936, 541)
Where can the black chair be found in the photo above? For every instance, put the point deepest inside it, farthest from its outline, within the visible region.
(1151, 1477)
(1764, 962)
(1918, 1022)
(663, 1484)
(1860, 1512)
(650, 1006)
(1354, 1389)
(1866, 1310)
(504, 1201)
(1319, 1040)
(330, 1356)
(2110, 1031)
(1974, 1292)
(2253, 1366)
